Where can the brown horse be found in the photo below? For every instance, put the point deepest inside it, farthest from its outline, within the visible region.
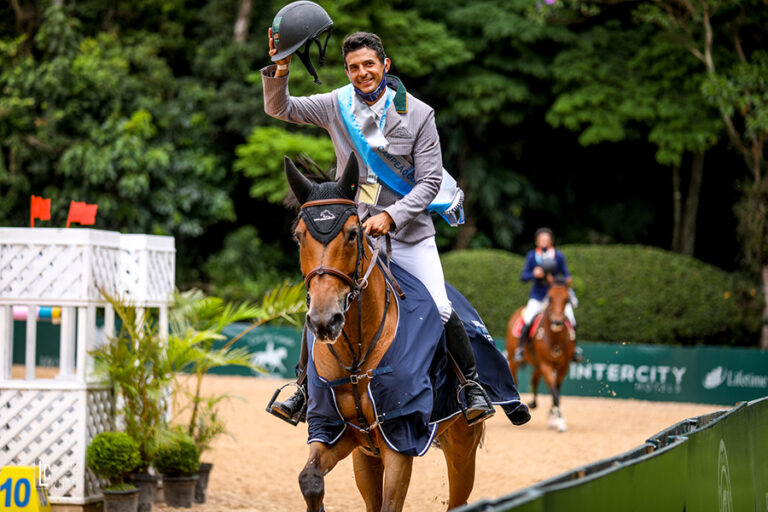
(354, 318)
(549, 349)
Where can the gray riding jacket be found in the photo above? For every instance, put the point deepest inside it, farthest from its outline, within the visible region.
(410, 130)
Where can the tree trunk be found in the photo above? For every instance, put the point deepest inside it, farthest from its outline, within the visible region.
(764, 332)
(243, 18)
(26, 17)
(467, 230)
(677, 201)
(688, 232)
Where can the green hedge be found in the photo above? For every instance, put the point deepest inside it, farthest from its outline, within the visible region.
(626, 293)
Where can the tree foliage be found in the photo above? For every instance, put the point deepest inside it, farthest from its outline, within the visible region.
(567, 113)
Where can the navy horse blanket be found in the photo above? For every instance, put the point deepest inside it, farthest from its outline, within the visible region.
(414, 387)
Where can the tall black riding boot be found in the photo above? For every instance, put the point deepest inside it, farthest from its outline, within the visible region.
(293, 410)
(520, 350)
(479, 407)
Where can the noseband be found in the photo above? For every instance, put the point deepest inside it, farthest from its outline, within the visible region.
(339, 211)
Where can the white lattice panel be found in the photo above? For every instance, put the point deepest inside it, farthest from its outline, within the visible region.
(147, 267)
(53, 427)
(58, 266)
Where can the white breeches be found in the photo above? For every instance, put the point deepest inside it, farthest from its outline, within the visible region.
(423, 262)
(534, 307)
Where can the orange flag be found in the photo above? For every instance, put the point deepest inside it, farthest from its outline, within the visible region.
(82, 213)
(40, 209)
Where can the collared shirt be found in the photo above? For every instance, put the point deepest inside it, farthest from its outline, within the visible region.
(378, 107)
(540, 287)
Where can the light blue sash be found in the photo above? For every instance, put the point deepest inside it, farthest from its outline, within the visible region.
(394, 171)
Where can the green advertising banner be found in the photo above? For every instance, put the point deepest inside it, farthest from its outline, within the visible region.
(699, 374)
(274, 349)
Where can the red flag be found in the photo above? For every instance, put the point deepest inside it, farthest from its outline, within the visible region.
(40, 209)
(82, 213)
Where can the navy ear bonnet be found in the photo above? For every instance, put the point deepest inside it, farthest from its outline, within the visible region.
(325, 221)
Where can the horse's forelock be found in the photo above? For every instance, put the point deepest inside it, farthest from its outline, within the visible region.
(318, 177)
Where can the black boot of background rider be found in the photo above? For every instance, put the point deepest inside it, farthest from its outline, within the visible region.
(520, 350)
(478, 406)
(291, 410)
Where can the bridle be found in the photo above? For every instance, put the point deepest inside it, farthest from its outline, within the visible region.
(357, 285)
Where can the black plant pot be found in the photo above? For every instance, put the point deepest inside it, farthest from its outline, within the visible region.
(121, 501)
(147, 485)
(201, 489)
(179, 491)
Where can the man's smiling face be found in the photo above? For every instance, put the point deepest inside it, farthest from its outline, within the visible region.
(364, 69)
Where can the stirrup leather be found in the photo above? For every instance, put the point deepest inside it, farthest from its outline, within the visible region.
(302, 413)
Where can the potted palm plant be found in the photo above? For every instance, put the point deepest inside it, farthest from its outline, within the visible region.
(111, 456)
(178, 460)
(140, 365)
(196, 325)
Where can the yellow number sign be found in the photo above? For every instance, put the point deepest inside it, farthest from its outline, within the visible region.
(21, 490)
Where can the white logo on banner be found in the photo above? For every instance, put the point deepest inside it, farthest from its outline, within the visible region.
(646, 378)
(714, 378)
(738, 379)
(725, 498)
(271, 359)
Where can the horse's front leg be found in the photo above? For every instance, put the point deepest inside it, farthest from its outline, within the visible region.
(549, 377)
(322, 459)
(369, 475)
(397, 477)
(535, 376)
(459, 443)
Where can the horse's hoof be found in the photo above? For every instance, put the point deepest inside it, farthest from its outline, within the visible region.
(531, 405)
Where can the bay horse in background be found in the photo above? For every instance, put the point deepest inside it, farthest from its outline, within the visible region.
(550, 346)
(347, 288)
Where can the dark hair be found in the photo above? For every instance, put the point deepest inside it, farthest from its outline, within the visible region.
(541, 231)
(363, 40)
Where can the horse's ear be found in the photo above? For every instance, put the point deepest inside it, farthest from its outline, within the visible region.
(350, 177)
(299, 184)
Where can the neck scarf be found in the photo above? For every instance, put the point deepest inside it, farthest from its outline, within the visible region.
(373, 96)
(542, 255)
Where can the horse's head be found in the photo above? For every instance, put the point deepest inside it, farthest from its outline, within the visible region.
(558, 298)
(331, 247)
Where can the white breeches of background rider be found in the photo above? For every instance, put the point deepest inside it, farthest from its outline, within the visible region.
(423, 262)
(534, 307)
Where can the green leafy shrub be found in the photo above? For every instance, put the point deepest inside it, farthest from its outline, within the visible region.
(112, 455)
(177, 456)
(626, 293)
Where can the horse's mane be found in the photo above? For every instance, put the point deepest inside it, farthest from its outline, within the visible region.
(312, 171)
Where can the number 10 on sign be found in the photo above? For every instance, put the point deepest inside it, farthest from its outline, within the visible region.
(19, 490)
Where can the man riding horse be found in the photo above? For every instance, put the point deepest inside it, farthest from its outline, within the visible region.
(542, 264)
(394, 137)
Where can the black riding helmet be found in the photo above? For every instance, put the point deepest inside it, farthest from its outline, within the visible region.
(301, 23)
(549, 266)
